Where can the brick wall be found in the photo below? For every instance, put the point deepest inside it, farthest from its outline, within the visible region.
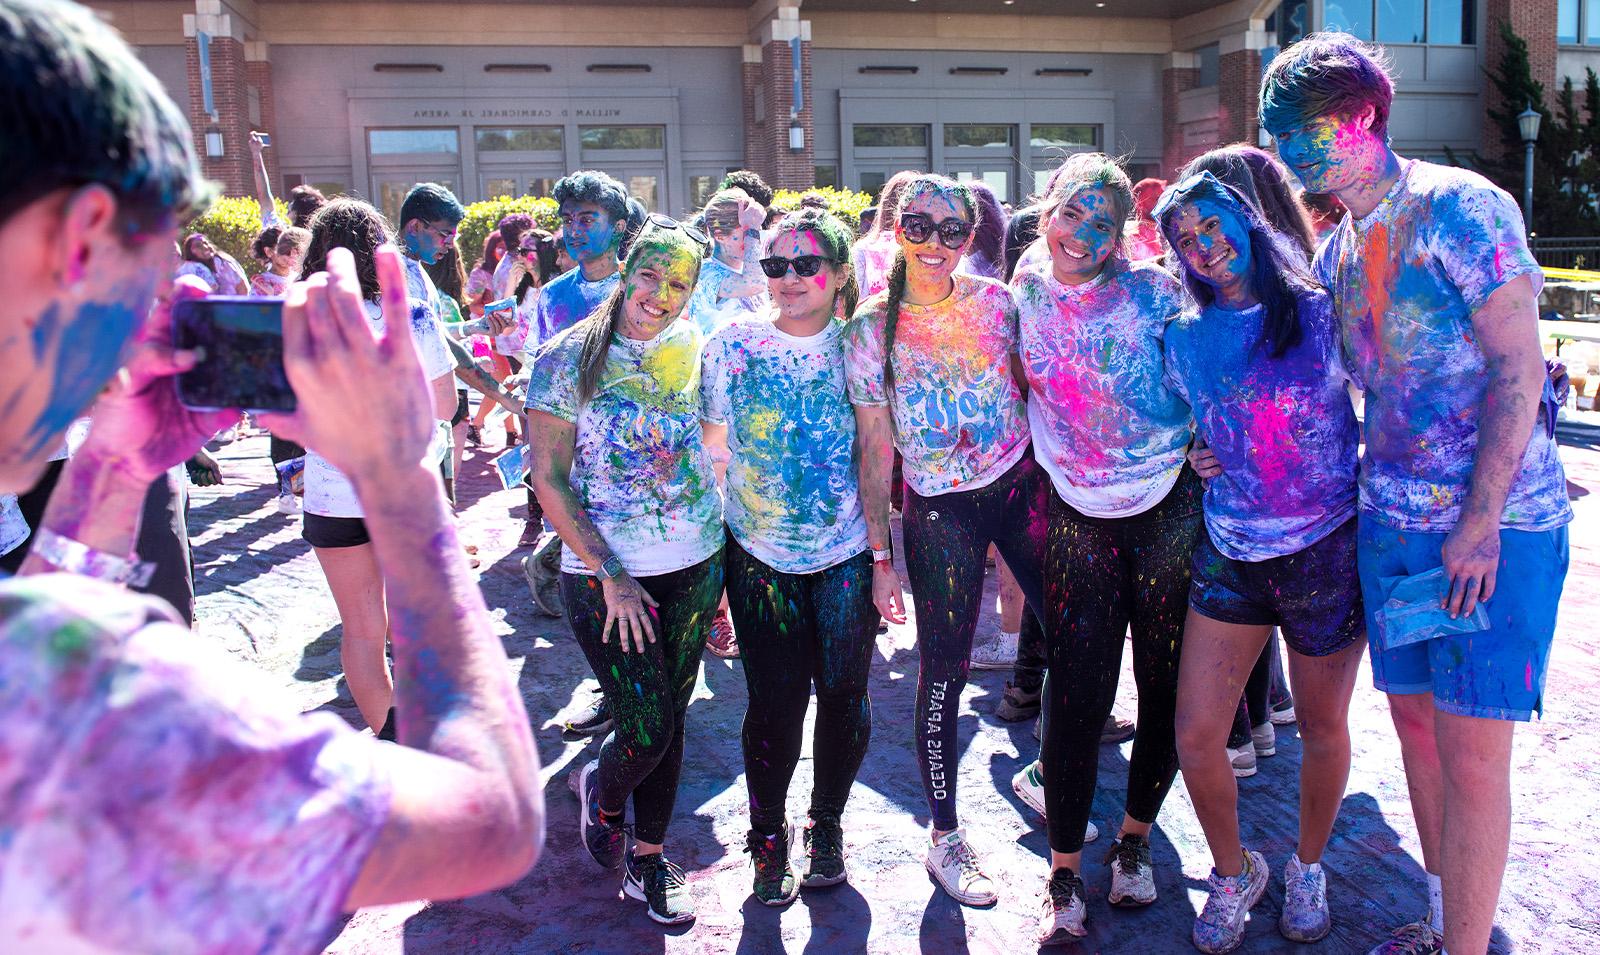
(1175, 81)
(228, 95)
(1238, 96)
(1535, 22)
(766, 143)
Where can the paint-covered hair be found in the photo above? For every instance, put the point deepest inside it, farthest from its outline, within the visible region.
(431, 202)
(1145, 193)
(721, 212)
(78, 108)
(987, 256)
(750, 183)
(1278, 273)
(1082, 172)
(835, 239)
(591, 185)
(1326, 74)
(597, 329)
(511, 227)
(889, 199)
(1264, 180)
(922, 185)
(346, 223)
(304, 201)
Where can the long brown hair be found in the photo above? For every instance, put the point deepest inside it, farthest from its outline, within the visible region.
(897, 272)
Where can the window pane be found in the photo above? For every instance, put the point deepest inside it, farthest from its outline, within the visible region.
(700, 190)
(1449, 21)
(1350, 16)
(1400, 21)
(540, 186)
(495, 188)
(623, 137)
(888, 136)
(385, 142)
(965, 135)
(825, 177)
(1043, 137)
(999, 180)
(643, 188)
(1210, 65)
(872, 183)
(546, 138)
(1591, 21)
(1567, 22)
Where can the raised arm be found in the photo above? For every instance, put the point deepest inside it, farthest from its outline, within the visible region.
(1508, 332)
(258, 166)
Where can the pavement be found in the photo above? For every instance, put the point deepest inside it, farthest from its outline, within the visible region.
(262, 596)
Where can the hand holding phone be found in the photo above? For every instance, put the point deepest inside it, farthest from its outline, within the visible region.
(238, 342)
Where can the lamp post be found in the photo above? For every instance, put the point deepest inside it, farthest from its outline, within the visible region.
(1528, 126)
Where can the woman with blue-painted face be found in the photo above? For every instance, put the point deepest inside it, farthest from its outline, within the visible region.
(1257, 355)
(931, 366)
(1112, 436)
(800, 572)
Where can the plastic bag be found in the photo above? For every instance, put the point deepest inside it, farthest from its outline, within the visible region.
(1411, 612)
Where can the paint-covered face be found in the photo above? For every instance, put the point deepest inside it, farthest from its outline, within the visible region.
(1213, 240)
(54, 361)
(1329, 154)
(1082, 234)
(800, 298)
(658, 284)
(930, 260)
(588, 231)
(427, 242)
(731, 245)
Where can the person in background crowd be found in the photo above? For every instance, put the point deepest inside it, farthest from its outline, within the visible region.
(218, 271)
(510, 228)
(1326, 210)
(1257, 356)
(1143, 237)
(480, 288)
(875, 253)
(283, 262)
(1122, 520)
(751, 184)
(638, 510)
(1437, 296)
(731, 285)
(799, 570)
(935, 331)
(265, 241)
(335, 524)
(232, 821)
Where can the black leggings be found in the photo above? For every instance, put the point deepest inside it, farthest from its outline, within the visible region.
(947, 538)
(649, 692)
(1101, 575)
(793, 629)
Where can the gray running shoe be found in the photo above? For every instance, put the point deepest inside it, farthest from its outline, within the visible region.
(542, 568)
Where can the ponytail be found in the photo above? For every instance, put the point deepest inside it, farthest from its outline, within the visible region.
(891, 317)
(597, 331)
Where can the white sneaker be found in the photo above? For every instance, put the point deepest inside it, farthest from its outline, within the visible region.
(1220, 925)
(1265, 740)
(1029, 787)
(288, 504)
(998, 653)
(1133, 874)
(1243, 759)
(1305, 915)
(955, 865)
(1063, 914)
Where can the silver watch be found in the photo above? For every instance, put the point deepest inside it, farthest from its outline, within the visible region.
(609, 568)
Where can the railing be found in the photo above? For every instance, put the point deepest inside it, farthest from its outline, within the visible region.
(1567, 252)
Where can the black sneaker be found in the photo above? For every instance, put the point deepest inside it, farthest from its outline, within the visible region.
(823, 861)
(775, 881)
(660, 885)
(595, 721)
(604, 841)
(1017, 704)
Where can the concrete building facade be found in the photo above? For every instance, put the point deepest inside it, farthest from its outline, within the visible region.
(496, 98)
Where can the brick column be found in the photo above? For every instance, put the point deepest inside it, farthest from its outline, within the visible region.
(230, 84)
(768, 78)
(1238, 94)
(258, 74)
(1535, 22)
(1175, 80)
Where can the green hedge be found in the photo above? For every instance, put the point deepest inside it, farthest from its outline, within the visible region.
(483, 216)
(843, 203)
(232, 225)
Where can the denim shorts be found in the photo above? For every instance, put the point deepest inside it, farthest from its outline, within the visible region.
(1312, 595)
(1496, 673)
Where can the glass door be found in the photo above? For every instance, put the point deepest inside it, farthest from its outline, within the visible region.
(982, 152)
(518, 160)
(635, 155)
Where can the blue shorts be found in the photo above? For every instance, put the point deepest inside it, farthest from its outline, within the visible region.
(1312, 595)
(1496, 673)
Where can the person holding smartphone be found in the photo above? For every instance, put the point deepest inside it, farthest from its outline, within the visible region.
(619, 464)
(234, 821)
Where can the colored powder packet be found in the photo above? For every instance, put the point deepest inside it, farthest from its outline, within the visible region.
(512, 466)
(1411, 612)
(292, 474)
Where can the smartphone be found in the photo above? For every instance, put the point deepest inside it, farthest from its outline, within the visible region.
(240, 341)
(266, 140)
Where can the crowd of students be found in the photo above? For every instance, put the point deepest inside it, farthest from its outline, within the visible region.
(1138, 396)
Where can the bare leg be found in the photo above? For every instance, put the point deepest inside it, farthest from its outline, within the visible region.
(357, 587)
(1413, 715)
(1322, 687)
(1475, 755)
(1216, 662)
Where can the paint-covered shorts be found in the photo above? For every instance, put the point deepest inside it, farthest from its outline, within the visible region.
(1496, 673)
(1312, 595)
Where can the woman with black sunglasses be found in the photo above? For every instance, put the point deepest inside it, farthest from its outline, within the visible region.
(932, 362)
(800, 573)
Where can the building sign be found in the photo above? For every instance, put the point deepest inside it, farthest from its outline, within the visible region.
(514, 113)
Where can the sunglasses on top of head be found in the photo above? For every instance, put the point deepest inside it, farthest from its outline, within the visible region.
(918, 228)
(805, 266)
(667, 222)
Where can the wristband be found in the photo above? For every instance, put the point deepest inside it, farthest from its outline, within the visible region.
(885, 556)
(75, 557)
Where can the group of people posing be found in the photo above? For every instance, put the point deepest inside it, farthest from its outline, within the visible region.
(1148, 418)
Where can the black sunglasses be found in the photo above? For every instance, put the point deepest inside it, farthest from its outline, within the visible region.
(805, 266)
(918, 228)
(667, 222)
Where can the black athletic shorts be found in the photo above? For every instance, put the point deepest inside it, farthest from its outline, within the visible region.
(330, 532)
